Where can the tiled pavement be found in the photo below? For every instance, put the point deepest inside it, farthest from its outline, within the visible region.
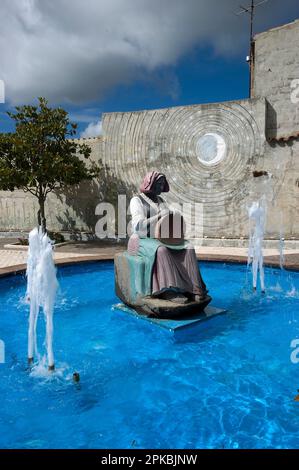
(12, 257)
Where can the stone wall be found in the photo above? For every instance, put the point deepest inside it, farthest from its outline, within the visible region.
(281, 160)
(276, 68)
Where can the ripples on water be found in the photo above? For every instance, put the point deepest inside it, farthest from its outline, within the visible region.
(228, 383)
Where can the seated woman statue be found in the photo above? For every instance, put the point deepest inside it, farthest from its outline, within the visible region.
(173, 271)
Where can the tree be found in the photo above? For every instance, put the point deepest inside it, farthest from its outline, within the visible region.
(40, 155)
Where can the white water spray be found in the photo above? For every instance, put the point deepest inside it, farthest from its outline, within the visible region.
(257, 218)
(261, 196)
(281, 243)
(41, 291)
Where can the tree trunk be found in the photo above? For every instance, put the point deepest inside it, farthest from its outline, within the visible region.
(41, 214)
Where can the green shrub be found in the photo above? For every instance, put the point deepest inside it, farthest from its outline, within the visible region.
(56, 237)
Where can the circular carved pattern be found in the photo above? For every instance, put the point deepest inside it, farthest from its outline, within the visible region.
(206, 153)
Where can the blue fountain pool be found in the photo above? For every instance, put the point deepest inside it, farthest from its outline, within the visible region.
(228, 383)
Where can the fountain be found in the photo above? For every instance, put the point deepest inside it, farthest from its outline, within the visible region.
(281, 244)
(257, 217)
(262, 192)
(41, 291)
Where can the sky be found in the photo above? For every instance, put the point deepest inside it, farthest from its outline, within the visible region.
(97, 56)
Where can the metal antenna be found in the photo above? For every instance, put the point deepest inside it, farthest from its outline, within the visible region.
(251, 10)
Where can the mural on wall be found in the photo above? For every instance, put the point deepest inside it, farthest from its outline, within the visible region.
(206, 151)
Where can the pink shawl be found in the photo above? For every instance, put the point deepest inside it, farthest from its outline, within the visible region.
(149, 181)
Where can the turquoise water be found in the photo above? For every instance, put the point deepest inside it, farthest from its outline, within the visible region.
(229, 383)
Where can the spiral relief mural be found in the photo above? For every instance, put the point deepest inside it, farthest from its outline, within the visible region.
(206, 151)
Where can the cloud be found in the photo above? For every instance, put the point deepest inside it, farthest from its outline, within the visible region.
(75, 51)
(94, 129)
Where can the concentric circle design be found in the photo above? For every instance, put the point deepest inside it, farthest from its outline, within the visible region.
(206, 152)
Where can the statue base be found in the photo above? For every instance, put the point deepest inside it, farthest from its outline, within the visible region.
(131, 286)
(178, 324)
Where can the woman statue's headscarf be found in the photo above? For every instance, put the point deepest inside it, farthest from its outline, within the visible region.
(150, 180)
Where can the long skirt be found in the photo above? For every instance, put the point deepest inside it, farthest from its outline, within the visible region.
(177, 270)
(167, 267)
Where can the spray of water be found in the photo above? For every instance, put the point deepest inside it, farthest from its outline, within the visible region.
(281, 244)
(257, 219)
(41, 291)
